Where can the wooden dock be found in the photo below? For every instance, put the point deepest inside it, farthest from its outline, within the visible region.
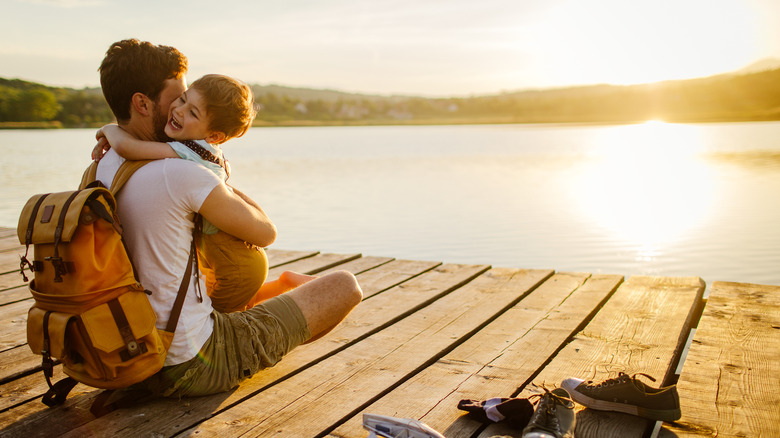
(429, 334)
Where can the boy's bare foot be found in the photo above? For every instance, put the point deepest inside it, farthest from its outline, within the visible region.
(295, 279)
(287, 281)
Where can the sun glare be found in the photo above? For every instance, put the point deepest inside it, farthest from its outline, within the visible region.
(647, 186)
(620, 42)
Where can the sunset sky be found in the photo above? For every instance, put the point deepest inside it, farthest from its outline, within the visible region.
(419, 47)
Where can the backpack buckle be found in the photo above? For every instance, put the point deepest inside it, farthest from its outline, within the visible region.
(59, 268)
(47, 364)
(25, 263)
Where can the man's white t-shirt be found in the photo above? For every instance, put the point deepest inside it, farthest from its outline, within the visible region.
(156, 208)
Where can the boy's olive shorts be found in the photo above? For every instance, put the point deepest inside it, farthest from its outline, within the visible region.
(242, 344)
(233, 272)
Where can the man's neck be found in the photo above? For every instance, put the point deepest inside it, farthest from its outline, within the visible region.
(141, 131)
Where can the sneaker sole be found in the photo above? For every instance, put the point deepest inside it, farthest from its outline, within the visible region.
(668, 415)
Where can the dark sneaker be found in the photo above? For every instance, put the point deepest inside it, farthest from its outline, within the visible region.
(627, 394)
(553, 417)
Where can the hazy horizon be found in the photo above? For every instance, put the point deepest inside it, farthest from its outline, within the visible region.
(434, 48)
(775, 62)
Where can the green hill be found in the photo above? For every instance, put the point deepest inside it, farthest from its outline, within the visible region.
(752, 95)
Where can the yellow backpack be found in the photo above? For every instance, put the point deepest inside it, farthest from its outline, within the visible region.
(90, 310)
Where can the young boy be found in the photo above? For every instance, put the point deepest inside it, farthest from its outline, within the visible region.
(213, 110)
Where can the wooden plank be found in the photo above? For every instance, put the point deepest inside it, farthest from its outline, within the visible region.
(360, 265)
(389, 275)
(495, 361)
(278, 257)
(10, 243)
(26, 389)
(34, 419)
(18, 361)
(312, 265)
(31, 418)
(13, 324)
(388, 307)
(351, 379)
(15, 294)
(11, 279)
(395, 273)
(9, 262)
(642, 328)
(730, 382)
(5, 232)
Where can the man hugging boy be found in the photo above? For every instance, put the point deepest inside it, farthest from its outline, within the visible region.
(213, 110)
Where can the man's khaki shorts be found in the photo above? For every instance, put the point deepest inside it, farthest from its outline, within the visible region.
(242, 344)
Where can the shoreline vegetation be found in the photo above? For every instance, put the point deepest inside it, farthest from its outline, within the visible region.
(733, 97)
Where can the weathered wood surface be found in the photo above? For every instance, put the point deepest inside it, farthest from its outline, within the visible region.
(497, 360)
(430, 334)
(639, 329)
(9, 242)
(730, 383)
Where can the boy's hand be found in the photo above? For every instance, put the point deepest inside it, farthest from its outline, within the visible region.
(101, 148)
(102, 145)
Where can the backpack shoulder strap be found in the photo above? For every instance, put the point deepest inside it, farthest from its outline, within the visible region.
(126, 170)
(120, 178)
(89, 175)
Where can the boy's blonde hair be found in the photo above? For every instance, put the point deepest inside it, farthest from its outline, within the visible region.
(230, 104)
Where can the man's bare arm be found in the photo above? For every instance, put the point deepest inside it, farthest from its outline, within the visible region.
(246, 198)
(236, 214)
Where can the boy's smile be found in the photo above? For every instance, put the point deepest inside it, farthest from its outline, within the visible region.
(187, 117)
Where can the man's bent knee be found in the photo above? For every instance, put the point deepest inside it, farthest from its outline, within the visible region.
(326, 301)
(348, 288)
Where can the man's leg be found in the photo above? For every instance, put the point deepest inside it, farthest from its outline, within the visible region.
(245, 342)
(326, 301)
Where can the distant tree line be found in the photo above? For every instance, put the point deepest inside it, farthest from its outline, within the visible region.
(22, 101)
(754, 96)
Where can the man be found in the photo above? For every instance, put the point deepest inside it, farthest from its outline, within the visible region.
(211, 351)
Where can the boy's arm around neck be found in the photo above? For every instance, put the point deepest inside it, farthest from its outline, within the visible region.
(131, 148)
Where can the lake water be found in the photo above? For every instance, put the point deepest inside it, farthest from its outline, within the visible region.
(653, 198)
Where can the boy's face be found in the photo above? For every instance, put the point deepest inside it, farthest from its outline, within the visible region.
(187, 118)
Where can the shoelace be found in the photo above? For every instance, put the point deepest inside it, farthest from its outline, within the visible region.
(548, 401)
(622, 377)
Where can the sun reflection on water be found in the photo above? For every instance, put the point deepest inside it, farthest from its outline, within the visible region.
(647, 185)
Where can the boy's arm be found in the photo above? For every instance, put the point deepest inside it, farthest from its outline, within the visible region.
(131, 148)
(236, 214)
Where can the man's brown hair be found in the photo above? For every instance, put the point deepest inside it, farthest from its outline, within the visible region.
(230, 104)
(131, 66)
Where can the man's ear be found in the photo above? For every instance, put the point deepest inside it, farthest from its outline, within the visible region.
(216, 137)
(141, 104)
